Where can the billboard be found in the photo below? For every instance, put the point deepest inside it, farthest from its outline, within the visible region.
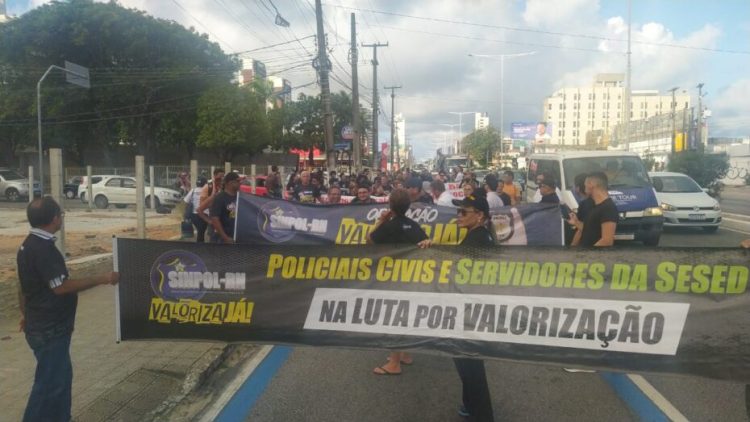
(539, 132)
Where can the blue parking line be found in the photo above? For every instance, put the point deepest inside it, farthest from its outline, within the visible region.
(244, 399)
(638, 402)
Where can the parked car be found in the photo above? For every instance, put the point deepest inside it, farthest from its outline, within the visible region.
(70, 189)
(684, 203)
(14, 186)
(120, 191)
(95, 179)
(260, 185)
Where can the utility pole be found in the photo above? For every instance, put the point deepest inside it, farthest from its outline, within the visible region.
(628, 89)
(353, 57)
(674, 104)
(374, 98)
(394, 145)
(700, 114)
(323, 66)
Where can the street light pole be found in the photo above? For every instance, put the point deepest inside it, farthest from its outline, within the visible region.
(460, 123)
(451, 126)
(674, 105)
(502, 58)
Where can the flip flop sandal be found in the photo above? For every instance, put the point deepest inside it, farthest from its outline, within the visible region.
(384, 371)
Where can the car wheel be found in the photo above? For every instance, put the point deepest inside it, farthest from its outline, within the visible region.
(12, 194)
(70, 194)
(710, 229)
(651, 241)
(101, 202)
(121, 206)
(156, 202)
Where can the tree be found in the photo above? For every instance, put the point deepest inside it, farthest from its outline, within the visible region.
(146, 73)
(704, 168)
(232, 120)
(481, 144)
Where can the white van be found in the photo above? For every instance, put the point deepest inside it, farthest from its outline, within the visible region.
(629, 187)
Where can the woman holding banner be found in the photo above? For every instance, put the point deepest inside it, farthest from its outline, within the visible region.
(474, 215)
(393, 226)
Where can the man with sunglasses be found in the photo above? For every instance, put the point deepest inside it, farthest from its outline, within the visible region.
(474, 215)
(548, 187)
(540, 178)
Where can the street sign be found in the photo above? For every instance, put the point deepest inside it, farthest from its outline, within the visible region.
(347, 132)
(342, 146)
(77, 75)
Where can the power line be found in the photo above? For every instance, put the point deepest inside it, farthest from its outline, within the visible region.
(274, 45)
(201, 23)
(539, 31)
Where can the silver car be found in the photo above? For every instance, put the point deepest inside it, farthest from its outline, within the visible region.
(14, 186)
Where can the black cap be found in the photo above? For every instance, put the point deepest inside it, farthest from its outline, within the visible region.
(477, 200)
(414, 182)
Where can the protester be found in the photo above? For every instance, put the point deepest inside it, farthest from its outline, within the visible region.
(193, 203)
(601, 223)
(223, 210)
(467, 189)
(474, 215)
(538, 194)
(48, 300)
(363, 196)
(459, 177)
(490, 187)
(394, 227)
(273, 183)
(213, 187)
(548, 188)
(509, 187)
(440, 195)
(305, 191)
(414, 187)
(334, 195)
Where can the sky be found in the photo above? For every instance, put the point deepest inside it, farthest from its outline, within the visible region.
(675, 43)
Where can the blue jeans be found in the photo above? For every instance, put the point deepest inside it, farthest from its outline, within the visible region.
(50, 397)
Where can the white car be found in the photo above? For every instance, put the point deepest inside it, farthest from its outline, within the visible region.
(684, 203)
(120, 191)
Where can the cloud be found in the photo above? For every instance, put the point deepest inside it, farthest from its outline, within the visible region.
(731, 110)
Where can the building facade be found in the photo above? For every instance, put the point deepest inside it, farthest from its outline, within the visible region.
(481, 121)
(587, 115)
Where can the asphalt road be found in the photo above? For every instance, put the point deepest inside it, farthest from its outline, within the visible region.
(736, 200)
(336, 384)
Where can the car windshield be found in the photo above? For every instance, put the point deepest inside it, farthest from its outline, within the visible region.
(675, 184)
(622, 172)
(11, 175)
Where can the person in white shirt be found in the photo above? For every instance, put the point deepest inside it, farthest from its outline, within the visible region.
(193, 199)
(459, 174)
(440, 195)
(495, 200)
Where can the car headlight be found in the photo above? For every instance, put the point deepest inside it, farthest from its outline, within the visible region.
(666, 207)
(717, 207)
(655, 211)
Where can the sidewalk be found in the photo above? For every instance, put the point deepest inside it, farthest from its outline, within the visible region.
(122, 381)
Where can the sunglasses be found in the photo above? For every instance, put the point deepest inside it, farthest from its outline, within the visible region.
(462, 211)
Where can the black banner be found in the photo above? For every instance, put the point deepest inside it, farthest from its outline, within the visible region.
(671, 310)
(265, 221)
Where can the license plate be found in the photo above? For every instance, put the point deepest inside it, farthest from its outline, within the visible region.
(628, 236)
(697, 217)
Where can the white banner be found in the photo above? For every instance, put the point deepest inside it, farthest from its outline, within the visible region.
(610, 325)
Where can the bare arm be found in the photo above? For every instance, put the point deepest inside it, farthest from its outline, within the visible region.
(73, 285)
(577, 237)
(216, 223)
(608, 234)
(204, 205)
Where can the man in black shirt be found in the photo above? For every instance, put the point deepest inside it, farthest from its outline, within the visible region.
(474, 215)
(48, 300)
(599, 227)
(224, 210)
(414, 187)
(306, 192)
(548, 189)
(585, 206)
(394, 226)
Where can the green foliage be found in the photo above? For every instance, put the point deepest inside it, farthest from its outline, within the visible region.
(232, 120)
(146, 77)
(481, 144)
(703, 168)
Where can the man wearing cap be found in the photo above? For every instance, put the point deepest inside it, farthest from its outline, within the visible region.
(474, 215)
(414, 187)
(495, 200)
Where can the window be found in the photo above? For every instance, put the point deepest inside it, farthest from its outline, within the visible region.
(542, 166)
(114, 182)
(128, 183)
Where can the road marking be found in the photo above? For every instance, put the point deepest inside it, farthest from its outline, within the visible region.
(734, 230)
(659, 400)
(642, 398)
(244, 391)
